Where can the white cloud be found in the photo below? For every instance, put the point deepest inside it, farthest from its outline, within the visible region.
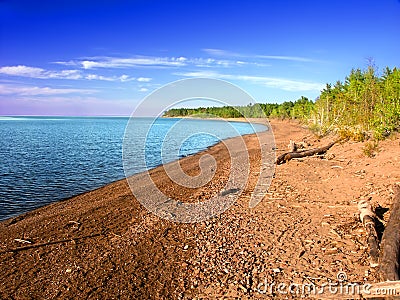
(33, 72)
(143, 89)
(91, 77)
(89, 64)
(226, 53)
(144, 79)
(39, 73)
(125, 77)
(7, 89)
(66, 63)
(220, 52)
(138, 61)
(274, 82)
(122, 78)
(151, 62)
(211, 62)
(22, 71)
(207, 74)
(290, 58)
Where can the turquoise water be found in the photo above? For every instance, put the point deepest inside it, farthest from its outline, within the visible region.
(46, 159)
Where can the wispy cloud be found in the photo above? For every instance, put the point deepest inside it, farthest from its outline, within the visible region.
(143, 79)
(273, 82)
(149, 62)
(139, 61)
(7, 89)
(290, 58)
(122, 78)
(221, 52)
(230, 54)
(39, 73)
(33, 72)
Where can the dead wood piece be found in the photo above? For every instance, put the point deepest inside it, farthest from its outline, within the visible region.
(23, 241)
(292, 146)
(390, 241)
(285, 157)
(367, 217)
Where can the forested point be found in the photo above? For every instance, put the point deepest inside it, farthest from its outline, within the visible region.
(365, 105)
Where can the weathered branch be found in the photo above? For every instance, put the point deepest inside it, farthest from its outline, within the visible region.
(390, 241)
(367, 217)
(285, 157)
(50, 243)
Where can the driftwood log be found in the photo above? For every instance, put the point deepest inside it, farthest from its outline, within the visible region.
(285, 157)
(389, 266)
(367, 217)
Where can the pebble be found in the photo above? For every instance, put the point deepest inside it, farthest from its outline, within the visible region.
(276, 270)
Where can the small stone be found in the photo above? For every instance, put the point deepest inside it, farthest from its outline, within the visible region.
(276, 270)
(331, 251)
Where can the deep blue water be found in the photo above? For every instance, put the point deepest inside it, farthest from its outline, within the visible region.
(46, 159)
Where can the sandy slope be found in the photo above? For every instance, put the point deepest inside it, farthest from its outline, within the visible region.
(106, 245)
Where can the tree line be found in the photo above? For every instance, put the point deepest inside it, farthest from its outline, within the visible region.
(299, 109)
(364, 104)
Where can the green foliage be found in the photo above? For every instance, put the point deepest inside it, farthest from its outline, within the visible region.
(365, 105)
(371, 148)
(352, 133)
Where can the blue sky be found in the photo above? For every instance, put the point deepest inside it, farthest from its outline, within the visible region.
(103, 57)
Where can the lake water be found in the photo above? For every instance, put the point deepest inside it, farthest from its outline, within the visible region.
(46, 159)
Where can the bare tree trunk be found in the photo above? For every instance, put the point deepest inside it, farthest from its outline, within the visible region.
(390, 241)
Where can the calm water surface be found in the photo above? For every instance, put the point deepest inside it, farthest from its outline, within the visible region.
(46, 159)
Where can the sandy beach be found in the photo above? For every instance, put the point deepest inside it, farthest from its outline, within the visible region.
(105, 245)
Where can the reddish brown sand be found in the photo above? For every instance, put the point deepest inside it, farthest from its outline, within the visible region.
(105, 245)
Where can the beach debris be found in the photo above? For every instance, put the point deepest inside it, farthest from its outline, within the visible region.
(292, 146)
(229, 191)
(276, 270)
(23, 241)
(336, 167)
(330, 156)
(302, 252)
(367, 217)
(74, 224)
